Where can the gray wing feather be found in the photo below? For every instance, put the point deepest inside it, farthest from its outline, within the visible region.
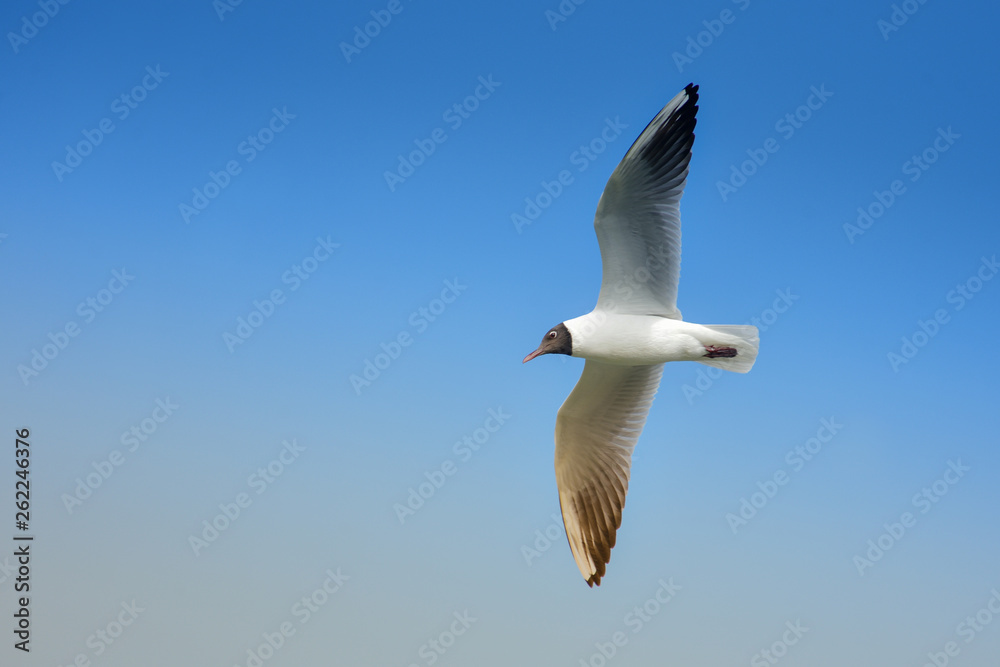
(638, 220)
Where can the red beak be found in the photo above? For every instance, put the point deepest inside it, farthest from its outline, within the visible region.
(532, 355)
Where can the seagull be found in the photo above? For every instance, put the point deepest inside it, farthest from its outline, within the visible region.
(632, 331)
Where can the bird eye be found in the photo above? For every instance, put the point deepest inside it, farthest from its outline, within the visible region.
(552, 334)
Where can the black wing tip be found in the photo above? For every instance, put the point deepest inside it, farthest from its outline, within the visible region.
(692, 101)
(683, 118)
(669, 147)
(690, 107)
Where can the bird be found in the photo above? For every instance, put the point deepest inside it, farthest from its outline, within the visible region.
(634, 329)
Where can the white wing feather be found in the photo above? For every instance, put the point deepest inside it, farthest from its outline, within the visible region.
(596, 429)
(638, 220)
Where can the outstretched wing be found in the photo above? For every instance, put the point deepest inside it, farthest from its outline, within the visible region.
(596, 430)
(638, 218)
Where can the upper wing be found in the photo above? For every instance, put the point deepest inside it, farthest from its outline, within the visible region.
(596, 430)
(638, 218)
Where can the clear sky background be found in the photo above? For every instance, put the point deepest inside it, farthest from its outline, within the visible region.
(249, 155)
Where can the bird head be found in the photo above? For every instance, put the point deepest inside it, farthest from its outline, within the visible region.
(556, 340)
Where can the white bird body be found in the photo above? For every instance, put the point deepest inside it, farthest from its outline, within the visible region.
(633, 331)
(635, 340)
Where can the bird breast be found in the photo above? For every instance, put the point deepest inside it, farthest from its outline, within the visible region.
(634, 340)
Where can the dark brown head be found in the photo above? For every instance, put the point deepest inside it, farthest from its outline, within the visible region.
(557, 340)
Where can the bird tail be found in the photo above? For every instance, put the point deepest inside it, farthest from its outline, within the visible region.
(743, 337)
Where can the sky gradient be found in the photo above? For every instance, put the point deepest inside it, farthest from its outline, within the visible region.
(270, 271)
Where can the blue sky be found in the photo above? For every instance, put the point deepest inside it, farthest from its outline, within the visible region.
(361, 208)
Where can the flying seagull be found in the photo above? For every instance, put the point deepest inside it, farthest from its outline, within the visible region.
(633, 330)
